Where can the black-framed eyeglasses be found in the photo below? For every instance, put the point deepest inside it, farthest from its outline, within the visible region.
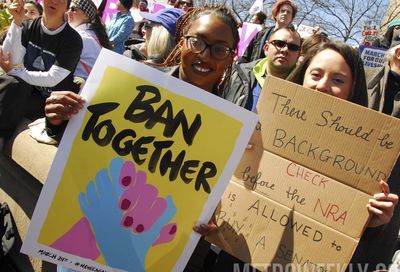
(281, 44)
(198, 45)
(189, 4)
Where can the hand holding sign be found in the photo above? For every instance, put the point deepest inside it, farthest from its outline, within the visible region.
(381, 206)
(62, 105)
(207, 229)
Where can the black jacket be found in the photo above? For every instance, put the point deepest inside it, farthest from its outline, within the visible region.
(239, 91)
(377, 245)
(255, 49)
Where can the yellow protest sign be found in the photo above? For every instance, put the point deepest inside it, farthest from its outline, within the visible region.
(147, 160)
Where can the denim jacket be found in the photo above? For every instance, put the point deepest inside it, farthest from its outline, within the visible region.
(119, 29)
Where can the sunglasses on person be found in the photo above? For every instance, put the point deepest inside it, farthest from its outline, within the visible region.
(148, 25)
(189, 4)
(74, 8)
(198, 45)
(281, 44)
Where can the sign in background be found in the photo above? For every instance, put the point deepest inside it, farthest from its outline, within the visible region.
(247, 33)
(372, 56)
(148, 160)
(305, 31)
(111, 9)
(370, 30)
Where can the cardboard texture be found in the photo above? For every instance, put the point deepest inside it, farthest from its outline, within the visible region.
(315, 162)
(339, 139)
(262, 232)
(323, 199)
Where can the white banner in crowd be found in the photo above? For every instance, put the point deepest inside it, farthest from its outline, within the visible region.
(372, 56)
(305, 31)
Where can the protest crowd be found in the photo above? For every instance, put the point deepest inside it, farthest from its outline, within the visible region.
(49, 49)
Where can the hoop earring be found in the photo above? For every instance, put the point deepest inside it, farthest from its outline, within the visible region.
(177, 58)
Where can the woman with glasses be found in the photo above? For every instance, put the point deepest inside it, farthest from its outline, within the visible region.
(207, 41)
(83, 17)
(184, 4)
(158, 34)
(160, 31)
(208, 38)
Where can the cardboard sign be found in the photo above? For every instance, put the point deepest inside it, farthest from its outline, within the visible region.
(298, 197)
(247, 33)
(315, 195)
(262, 232)
(372, 56)
(339, 139)
(148, 159)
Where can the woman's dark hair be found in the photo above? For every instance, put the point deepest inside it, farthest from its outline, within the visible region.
(137, 30)
(97, 26)
(101, 8)
(312, 41)
(36, 4)
(279, 3)
(261, 17)
(186, 20)
(358, 92)
(100, 30)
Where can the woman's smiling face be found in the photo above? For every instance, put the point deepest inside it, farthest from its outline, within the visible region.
(203, 69)
(329, 73)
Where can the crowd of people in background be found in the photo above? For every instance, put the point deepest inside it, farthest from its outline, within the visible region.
(48, 53)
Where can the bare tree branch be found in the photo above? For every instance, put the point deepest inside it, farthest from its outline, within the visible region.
(340, 19)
